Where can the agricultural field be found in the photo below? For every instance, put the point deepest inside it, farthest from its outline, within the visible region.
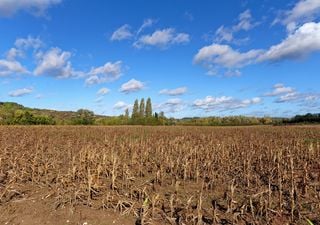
(159, 175)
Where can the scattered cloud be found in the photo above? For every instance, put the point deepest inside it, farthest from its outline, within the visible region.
(20, 92)
(103, 91)
(107, 73)
(302, 12)
(146, 23)
(245, 22)
(226, 34)
(174, 92)
(35, 7)
(225, 56)
(285, 94)
(8, 67)
(297, 97)
(299, 44)
(162, 39)
(14, 53)
(122, 33)
(132, 86)
(29, 42)
(55, 63)
(172, 105)
(280, 89)
(120, 105)
(224, 103)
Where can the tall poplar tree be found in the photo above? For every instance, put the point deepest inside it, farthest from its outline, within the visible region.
(142, 108)
(148, 108)
(135, 110)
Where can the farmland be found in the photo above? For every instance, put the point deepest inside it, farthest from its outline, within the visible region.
(164, 175)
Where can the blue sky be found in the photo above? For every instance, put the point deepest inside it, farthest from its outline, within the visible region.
(193, 58)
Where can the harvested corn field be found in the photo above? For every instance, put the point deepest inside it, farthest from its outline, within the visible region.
(161, 175)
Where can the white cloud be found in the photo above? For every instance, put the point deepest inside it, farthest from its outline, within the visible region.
(298, 97)
(14, 53)
(132, 86)
(225, 56)
(162, 38)
(299, 44)
(146, 23)
(245, 22)
(29, 42)
(305, 40)
(122, 33)
(35, 7)
(224, 103)
(20, 92)
(8, 67)
(173, 92)
(170, 106)
(120, 105)
(107, 73)
(302, 12)
(55, 62)
(279, 89)
(226, 34)
(103, 91)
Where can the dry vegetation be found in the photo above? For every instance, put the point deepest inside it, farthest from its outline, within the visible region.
(169, 175)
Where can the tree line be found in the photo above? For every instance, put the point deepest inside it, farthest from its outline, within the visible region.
(142, 114)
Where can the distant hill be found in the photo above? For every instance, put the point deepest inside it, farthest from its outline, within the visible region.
(14, 113)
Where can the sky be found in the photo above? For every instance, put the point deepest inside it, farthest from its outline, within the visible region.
(192, 58)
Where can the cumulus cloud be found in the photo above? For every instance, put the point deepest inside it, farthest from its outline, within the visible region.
(224, 103)
(103, 91)
(20, 92)
(299, 44)
(302, 12)
(55, 63)
(107, 73)
(120, 105)
(11, 65)
(8, 67)
(35, 7)
(225, 56)
(162, 38)
(131, 86)
(173, 92)
(122, 33)
(305, 40)
(279, 89)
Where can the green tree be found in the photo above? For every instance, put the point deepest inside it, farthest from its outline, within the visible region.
(84, 117)
(126, 113)
(135, 110)
(148, 112)
(142, 109)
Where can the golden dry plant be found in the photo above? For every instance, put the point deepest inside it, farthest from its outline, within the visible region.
(169, 175)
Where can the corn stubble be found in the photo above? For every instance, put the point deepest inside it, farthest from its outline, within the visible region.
(170, 175)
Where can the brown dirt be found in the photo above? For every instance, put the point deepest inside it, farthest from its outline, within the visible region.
(35, 209)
